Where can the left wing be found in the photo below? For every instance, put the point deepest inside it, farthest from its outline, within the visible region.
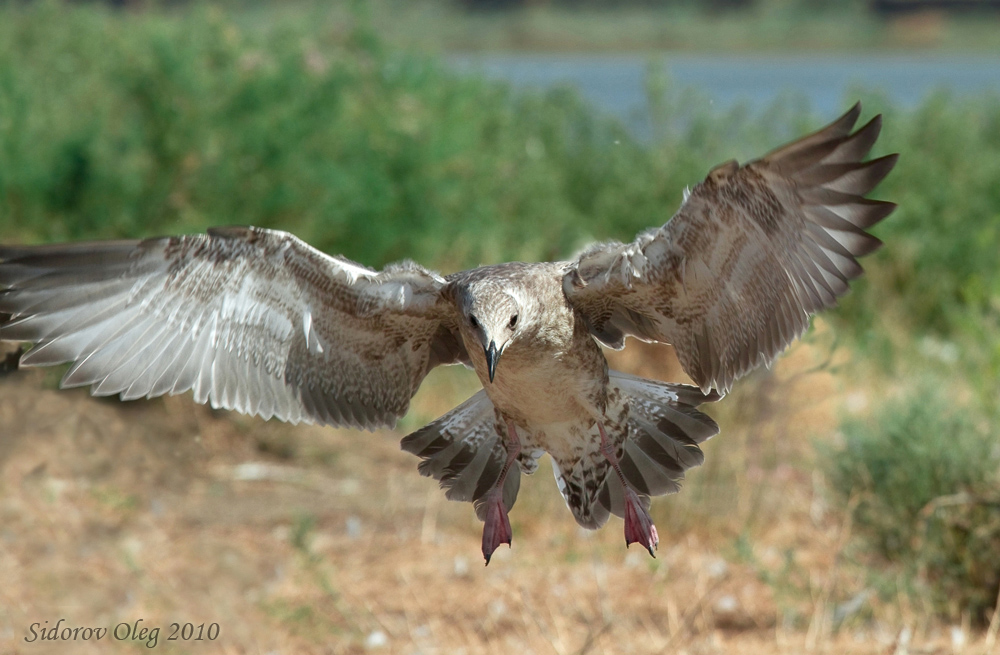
(248, 319)
(754, 250)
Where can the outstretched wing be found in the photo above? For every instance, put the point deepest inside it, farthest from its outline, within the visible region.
(754, 250)
(249, 319)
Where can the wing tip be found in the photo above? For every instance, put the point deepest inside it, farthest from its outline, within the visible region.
(842, 125)
(851, 115)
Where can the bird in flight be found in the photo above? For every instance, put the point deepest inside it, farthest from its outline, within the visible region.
(259, 322)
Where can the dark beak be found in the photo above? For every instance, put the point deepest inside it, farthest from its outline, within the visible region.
(492, 356)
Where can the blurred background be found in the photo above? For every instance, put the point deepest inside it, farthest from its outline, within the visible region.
(851, 503)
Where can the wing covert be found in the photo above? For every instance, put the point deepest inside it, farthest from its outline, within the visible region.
(752, 252)
(248, 319)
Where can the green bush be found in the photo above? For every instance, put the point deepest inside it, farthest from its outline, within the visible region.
(922, 476)
(116, 125)
(132, 124)
(941, 260)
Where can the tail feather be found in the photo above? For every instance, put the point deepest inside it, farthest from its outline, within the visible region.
(657, 441)
(664, 429)
(464, 451)
(647, 475)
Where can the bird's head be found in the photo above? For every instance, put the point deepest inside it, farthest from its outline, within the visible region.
(493, 318)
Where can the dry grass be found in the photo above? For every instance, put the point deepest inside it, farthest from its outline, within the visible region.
(313, 540)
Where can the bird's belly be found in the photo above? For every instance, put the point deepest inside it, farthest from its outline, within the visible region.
(565, 441)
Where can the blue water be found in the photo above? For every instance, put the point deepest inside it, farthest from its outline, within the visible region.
(616, 83)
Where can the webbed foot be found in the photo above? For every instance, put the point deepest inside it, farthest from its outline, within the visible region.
(639, 526)
(496, 529)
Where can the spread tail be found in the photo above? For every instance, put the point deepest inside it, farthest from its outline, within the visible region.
(664, 429)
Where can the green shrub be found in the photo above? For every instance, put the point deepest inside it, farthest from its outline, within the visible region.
(115, 125)
(939, 274)
(922, 476)
(131, 124)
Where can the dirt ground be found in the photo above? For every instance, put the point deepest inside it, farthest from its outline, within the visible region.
(301, 539)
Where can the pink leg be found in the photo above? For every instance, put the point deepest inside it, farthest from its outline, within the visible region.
(496, 529)
(639, 526)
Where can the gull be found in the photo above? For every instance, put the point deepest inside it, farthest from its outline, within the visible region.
(259, 322)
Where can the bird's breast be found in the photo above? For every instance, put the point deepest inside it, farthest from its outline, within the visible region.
(541, 386)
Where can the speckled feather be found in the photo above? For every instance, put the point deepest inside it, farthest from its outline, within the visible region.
(257, 321)
(248, 319)
(754, 250)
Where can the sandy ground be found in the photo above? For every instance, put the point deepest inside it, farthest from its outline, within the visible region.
(315, 540)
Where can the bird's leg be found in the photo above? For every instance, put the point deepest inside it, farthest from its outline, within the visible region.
(496, 529)
(639, 526)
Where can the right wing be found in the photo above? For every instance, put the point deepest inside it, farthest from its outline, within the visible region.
(753, 251)
(249, 319)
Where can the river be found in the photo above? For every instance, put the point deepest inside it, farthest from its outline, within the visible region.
(828, 83)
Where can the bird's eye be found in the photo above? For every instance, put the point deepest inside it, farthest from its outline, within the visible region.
(473, 322)
(513, 320)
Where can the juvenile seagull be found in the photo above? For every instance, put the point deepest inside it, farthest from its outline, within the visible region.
(259, 322)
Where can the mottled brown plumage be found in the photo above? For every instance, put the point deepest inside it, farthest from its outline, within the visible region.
(257, 321)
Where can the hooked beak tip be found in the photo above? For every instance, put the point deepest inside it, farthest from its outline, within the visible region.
(491, 359)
